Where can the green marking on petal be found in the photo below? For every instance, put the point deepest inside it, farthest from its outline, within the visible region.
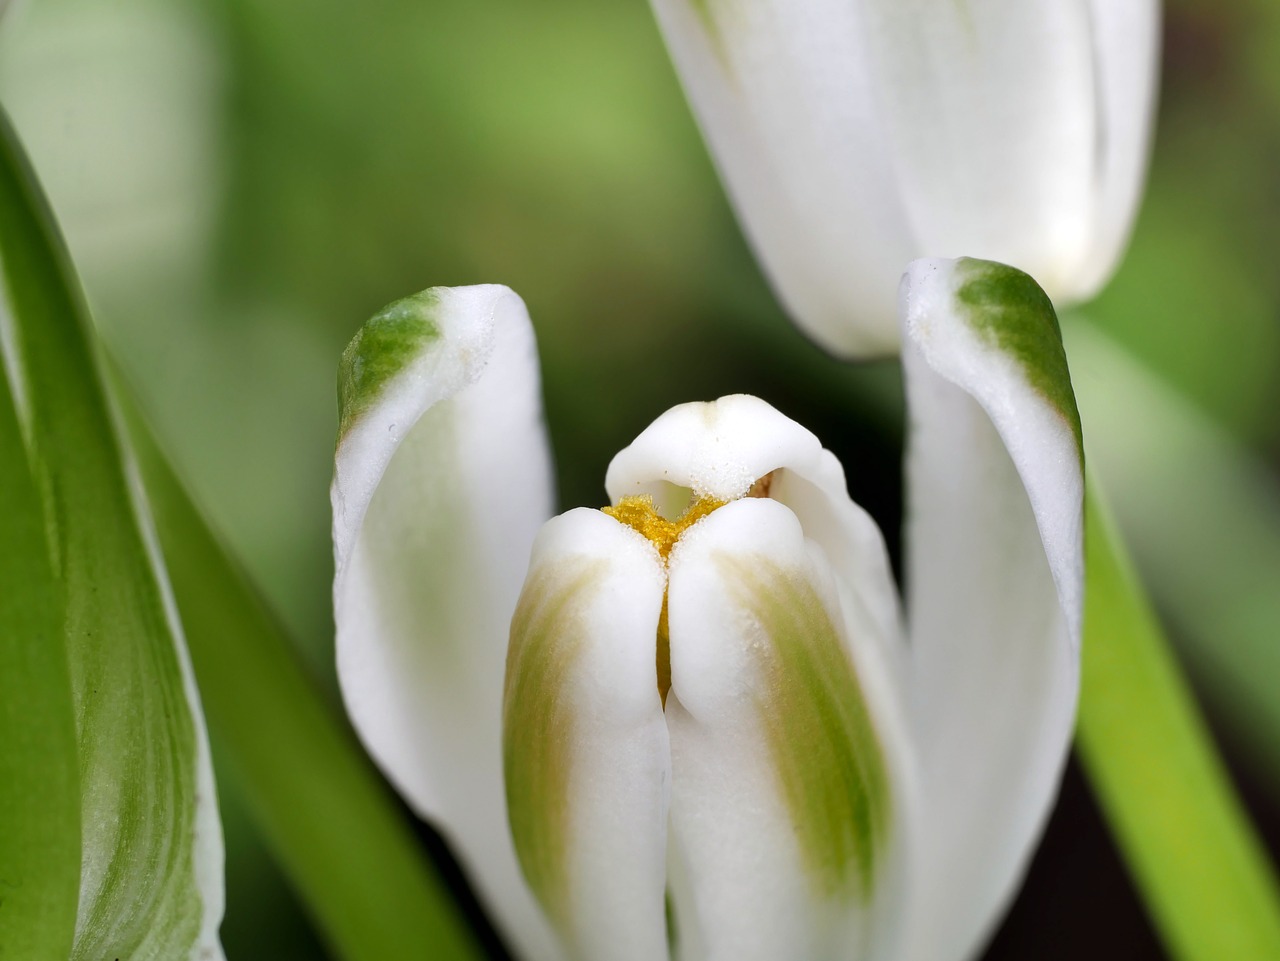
(669, 915)
(703, 9)
(823, 744)
(382, 349)
(1010, 311)
(537, 725)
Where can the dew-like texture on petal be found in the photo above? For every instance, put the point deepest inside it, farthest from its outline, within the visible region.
(740, 445)
(994, 577)
(585, 746)
(442, 478)
(790, 765)
(787, 106)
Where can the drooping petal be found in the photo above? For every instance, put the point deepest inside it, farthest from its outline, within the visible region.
(791, 771)
(442, 478)
(994, 579)
(992, 109)
(783, 96)
(740, 445)
(586, 755)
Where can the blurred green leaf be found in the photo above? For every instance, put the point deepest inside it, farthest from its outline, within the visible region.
(1195, 297)
(1215, 569)
(150, 875)
(1202, 871)
(329, 819)
(39, 780)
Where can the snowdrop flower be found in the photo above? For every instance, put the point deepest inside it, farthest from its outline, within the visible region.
(701, 726)
(854, 135)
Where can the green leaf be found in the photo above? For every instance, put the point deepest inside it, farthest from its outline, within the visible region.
(150, 873)
(1213, 573)
(1188, 842)
(330, 821)
(39, 780)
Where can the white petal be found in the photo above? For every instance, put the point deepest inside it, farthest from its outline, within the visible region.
(994, 552)
(782, 94)
(992, 110)
(442, 478)
(1126, 38)
(790, 768)
(586, 756)
(721, 449)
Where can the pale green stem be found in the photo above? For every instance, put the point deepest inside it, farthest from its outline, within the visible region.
(1200, 867)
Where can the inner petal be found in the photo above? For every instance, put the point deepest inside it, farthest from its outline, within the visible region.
(739, 446)
(788, 749)
(585, 757)
(640, 513)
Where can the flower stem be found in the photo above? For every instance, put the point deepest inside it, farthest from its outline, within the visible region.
(1189, 844)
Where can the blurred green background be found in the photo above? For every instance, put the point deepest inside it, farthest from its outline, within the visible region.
(242, 183)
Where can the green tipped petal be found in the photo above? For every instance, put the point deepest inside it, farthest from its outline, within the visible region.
(442, 477)
(1011, 312)
(384, 349)
(995, 578)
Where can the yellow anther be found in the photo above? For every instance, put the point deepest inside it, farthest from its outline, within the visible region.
(640, 514)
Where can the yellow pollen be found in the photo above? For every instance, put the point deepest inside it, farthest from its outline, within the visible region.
(640, 514)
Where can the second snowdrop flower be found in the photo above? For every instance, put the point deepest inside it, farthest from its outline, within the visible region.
(855, 135)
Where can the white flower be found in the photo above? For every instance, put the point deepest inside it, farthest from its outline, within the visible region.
(718, 710)
(855, 135)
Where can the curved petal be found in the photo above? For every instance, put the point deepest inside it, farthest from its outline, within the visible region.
(587, 764)
(442, 478)
(994, 552)
(782, 94)
(790, 766)
(1126, 39)
(740, 445)
(992, 113)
